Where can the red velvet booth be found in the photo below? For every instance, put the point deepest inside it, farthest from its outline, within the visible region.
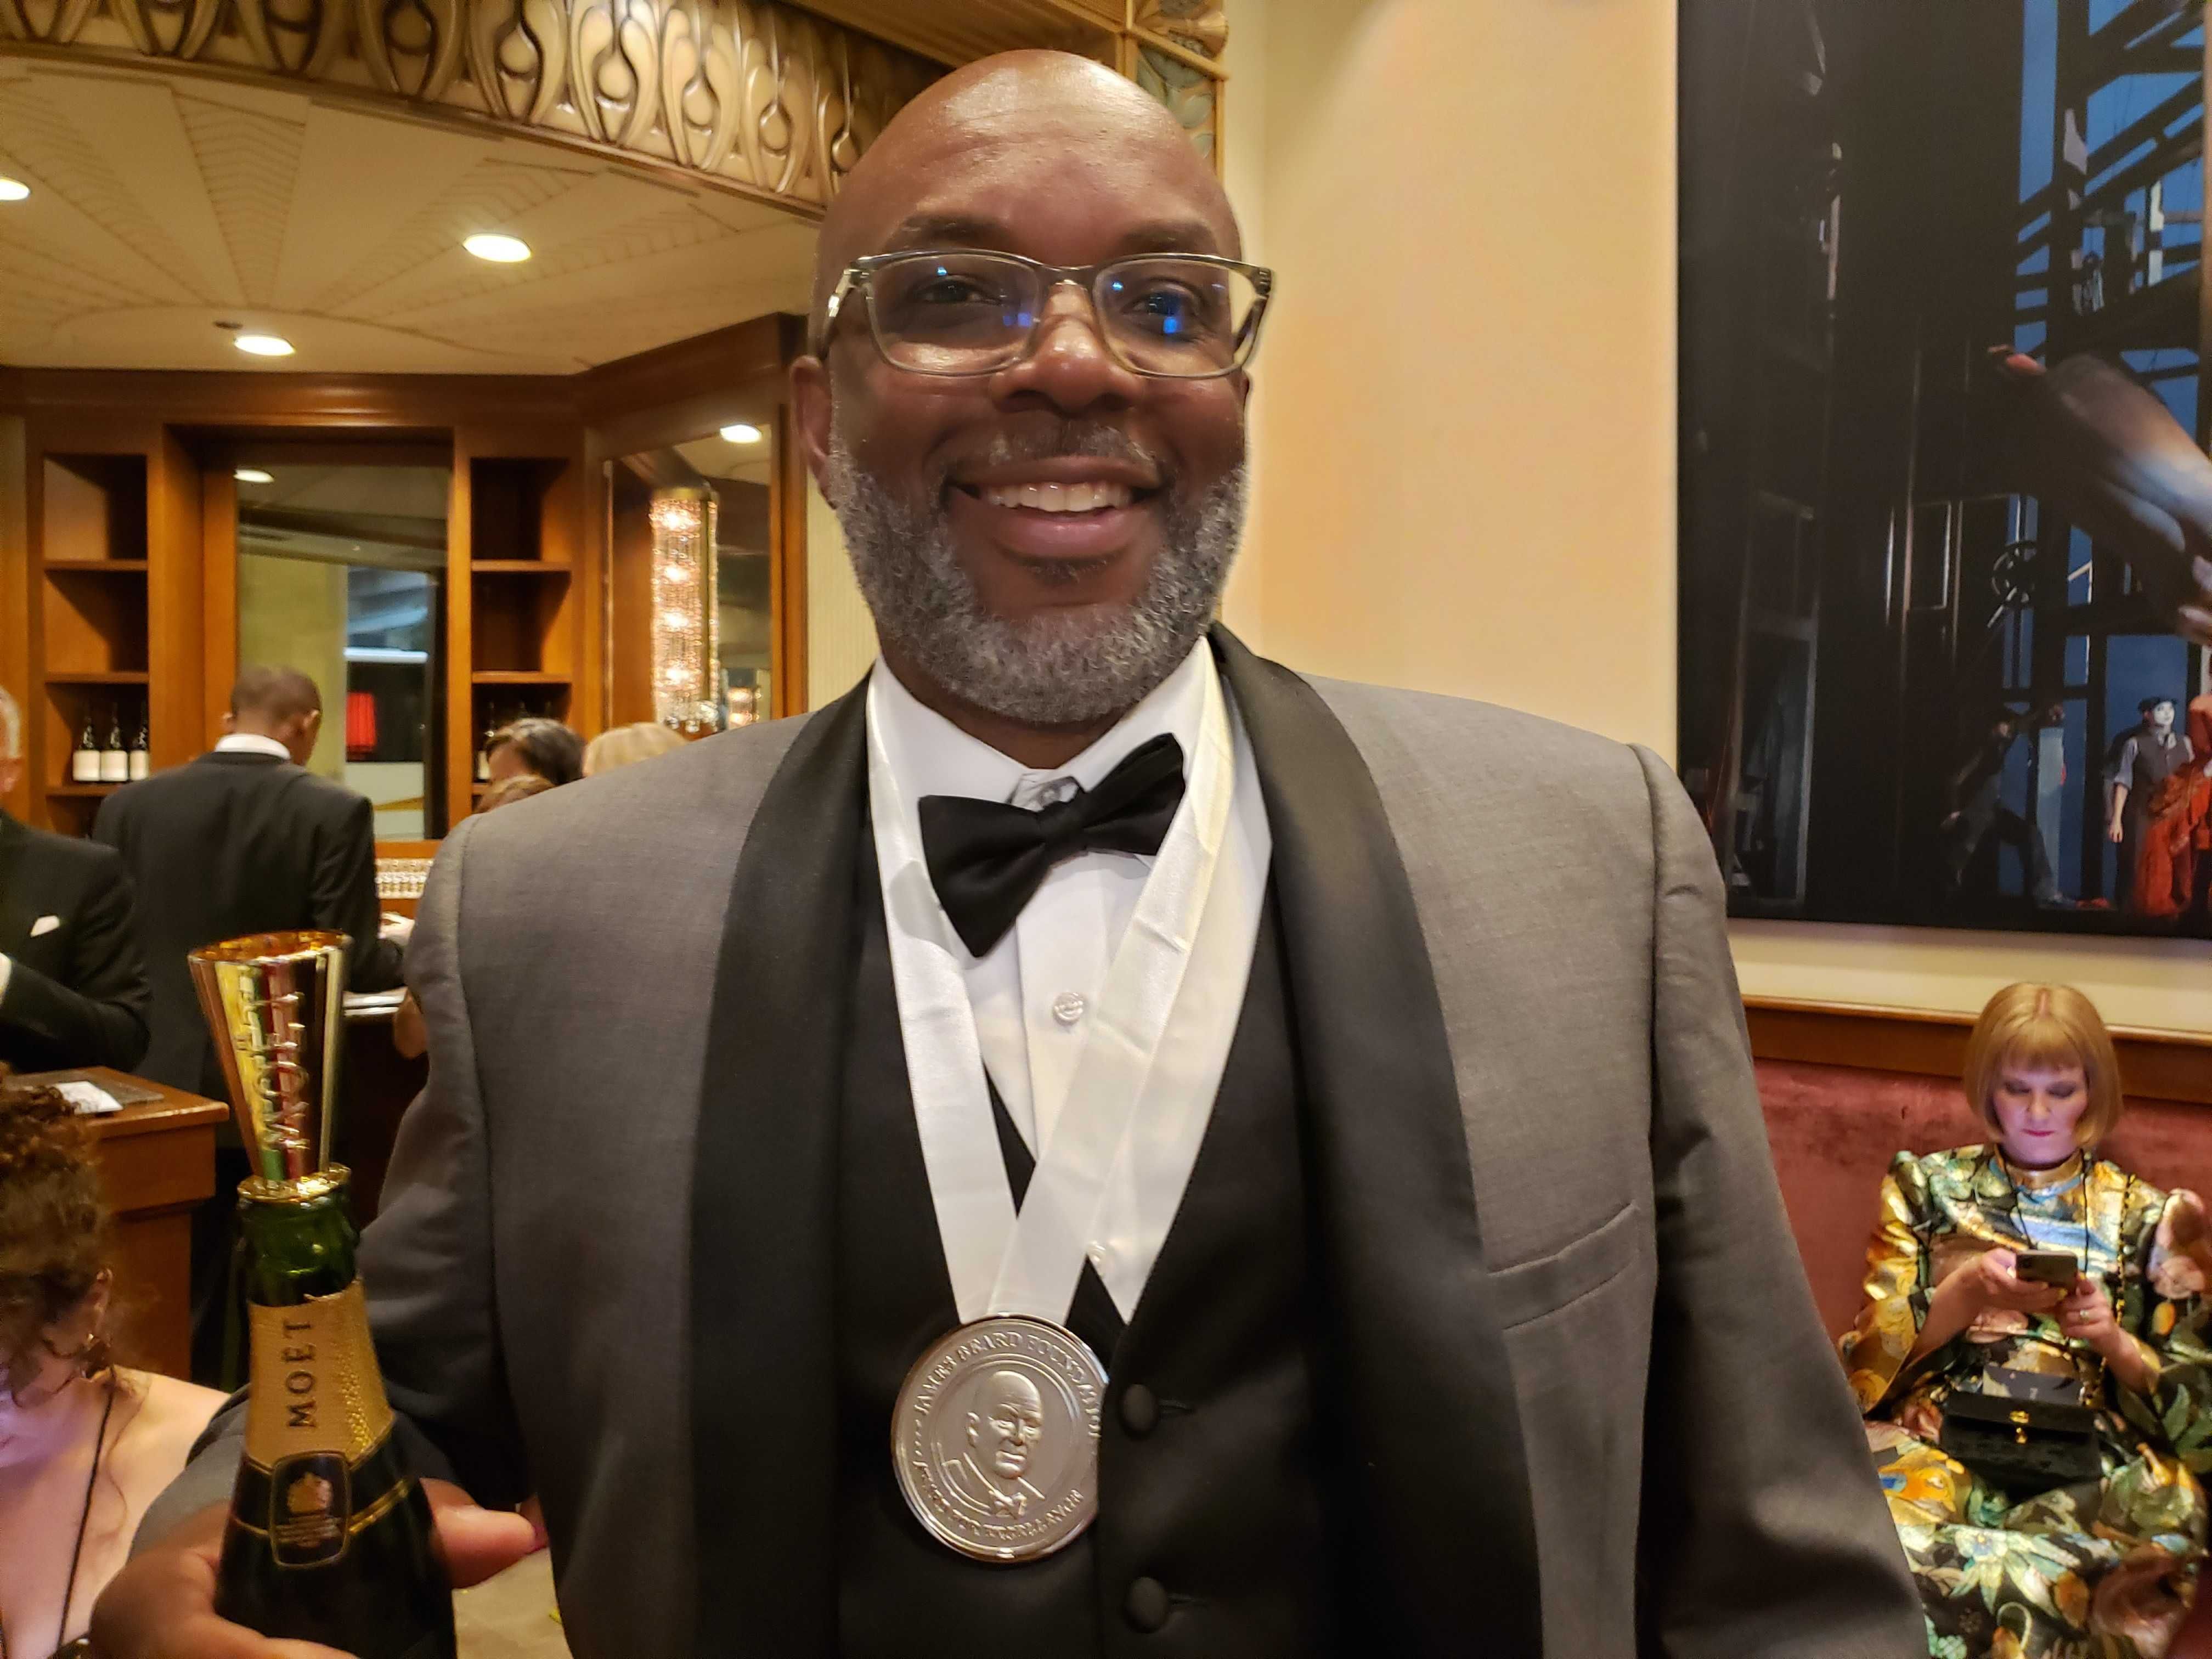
(1835, 1129)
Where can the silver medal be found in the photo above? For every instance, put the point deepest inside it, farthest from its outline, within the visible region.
(995, 1438)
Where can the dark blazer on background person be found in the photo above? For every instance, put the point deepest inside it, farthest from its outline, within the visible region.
(235, 842)
(77, 986)
(1591, 1410)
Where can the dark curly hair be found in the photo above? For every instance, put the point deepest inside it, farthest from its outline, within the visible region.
(55, 1230)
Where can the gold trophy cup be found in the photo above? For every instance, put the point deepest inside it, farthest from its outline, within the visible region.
(274, 1002)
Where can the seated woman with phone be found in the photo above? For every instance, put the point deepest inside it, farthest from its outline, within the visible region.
(2032, 1359)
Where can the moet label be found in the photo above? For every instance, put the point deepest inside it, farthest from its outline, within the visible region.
(310, 1509)
(316, 1388)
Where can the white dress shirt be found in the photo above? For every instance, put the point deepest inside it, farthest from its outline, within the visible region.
(1031, 993)
(252, 743)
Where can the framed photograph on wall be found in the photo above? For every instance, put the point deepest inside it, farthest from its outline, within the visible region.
(1945, 569)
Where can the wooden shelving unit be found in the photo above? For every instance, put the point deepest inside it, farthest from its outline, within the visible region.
(516, 549)
(92, 645)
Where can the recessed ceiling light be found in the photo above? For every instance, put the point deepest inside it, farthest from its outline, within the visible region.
(499, 250)
(13, 189)
(263, 345)
(743, 433)
(252, 475)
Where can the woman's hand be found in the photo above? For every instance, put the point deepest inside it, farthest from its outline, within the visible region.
(1987, 1284)
(2086, 1315)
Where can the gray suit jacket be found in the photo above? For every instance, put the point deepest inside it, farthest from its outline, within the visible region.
(1698, 1481)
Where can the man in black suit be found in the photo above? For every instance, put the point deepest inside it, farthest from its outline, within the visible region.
(1410, 1272)
(244, 839)
(72, 986)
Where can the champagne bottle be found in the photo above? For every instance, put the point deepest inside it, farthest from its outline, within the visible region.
(329, 1538)
(114, 757)
(141, 751)
(84, 759)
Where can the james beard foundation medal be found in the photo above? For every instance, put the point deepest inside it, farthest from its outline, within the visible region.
(994, 1437)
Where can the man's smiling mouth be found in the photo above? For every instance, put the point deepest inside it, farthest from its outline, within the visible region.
(1088, 497)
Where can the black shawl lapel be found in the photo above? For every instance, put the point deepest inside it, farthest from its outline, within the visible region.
(1434, 1429)
(763, 1222)
(15, 917)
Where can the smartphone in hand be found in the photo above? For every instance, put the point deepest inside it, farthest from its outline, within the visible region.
(2056, 1269)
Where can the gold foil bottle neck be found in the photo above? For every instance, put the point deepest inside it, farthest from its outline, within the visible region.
(316, 1388)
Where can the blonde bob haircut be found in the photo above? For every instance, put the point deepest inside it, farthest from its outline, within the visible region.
(626, 746)
(2042, 1026)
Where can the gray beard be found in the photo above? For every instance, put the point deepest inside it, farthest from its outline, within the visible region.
(1063, 667)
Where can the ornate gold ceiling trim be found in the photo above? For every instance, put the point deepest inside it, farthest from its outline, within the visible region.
(1172, 48)
(759, 96)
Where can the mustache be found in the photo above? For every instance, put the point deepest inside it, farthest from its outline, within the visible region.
(1049, 437)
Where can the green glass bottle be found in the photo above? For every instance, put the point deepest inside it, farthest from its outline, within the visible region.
(329, 1535)
(329, 1539)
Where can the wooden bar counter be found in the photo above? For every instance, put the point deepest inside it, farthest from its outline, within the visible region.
(157, 1161)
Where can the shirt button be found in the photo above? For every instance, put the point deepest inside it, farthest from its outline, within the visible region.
(1146, 1608)
(1069, 1007)
(1140, 1410)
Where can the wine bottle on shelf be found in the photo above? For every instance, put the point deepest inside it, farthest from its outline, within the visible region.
(329, 1538)
(114, 753)
(84, 759)
(141, 753)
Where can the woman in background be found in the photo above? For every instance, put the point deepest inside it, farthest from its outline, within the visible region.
(2104, 1568)
(85, 1445)
(535, 745)
(625, 745)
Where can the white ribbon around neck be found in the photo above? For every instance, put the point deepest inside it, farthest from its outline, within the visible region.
(1121, 1150)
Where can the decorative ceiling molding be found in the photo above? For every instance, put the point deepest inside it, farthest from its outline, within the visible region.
(1172, 48)
(754, 95)
(961, 31)
(166, 204)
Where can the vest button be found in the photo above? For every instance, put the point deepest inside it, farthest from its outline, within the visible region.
(1141, 1414)
(1146, 1608)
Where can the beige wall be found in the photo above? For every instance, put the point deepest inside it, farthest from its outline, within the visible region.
(292, 614)
(1465, 429)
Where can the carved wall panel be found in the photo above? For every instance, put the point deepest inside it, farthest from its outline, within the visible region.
(1199, 26)
(751, 93)
(1190, 94)
(1172, 48)
(1173, 51)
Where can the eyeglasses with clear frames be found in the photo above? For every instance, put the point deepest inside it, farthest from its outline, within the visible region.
(969, 311)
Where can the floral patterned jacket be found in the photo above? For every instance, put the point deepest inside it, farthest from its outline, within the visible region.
(1939, 1210)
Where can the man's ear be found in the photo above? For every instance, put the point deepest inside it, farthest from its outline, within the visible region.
(811, 413)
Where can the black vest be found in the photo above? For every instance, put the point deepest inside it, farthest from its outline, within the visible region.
(1211, 1537)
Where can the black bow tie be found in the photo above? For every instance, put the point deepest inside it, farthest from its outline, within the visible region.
(986, 858)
